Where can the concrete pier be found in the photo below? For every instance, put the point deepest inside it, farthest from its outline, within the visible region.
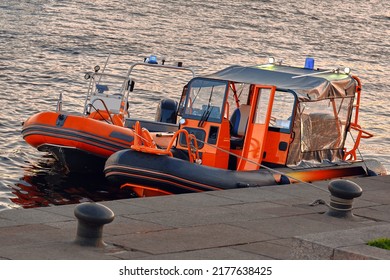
(275, 222)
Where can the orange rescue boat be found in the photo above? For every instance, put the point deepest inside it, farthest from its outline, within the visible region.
(250, 127)
(83, 142)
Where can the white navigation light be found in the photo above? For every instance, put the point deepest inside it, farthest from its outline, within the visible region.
(271, 60)
(347, 70)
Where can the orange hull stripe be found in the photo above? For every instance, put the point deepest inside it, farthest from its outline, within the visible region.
(171, 176)
(75, 138)
(166, 181)
(319, 175)
(136, 188)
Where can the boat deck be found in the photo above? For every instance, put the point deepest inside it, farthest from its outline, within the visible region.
(256, 223)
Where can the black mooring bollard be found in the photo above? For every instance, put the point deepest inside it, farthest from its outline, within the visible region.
(341, 199)
(91, 219)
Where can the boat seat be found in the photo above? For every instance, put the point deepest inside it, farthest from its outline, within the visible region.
(239, 123)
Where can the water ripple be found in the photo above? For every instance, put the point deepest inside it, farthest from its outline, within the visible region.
(47, 46)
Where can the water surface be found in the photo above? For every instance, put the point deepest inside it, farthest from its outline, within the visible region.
(46, 47)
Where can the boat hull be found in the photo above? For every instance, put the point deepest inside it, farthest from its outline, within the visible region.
(75, 160)
(76, 140)
(150, 175)
(171, 175)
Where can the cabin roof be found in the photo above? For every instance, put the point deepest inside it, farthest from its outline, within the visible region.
(318, 86)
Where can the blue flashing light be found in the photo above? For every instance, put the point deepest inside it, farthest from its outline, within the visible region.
(152, 59)
(309, 63)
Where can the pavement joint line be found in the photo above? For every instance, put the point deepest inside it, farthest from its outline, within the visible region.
(370, 213)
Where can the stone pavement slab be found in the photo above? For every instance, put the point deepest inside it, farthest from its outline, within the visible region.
(337, 244)
(188, 239)
(268, 249)
(219, 253)
(273, 222)
(31, 216)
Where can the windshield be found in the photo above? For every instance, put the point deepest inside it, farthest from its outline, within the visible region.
(108, 84)
(205, 100)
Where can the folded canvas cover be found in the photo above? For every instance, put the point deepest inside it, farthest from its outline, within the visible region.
(316, 87)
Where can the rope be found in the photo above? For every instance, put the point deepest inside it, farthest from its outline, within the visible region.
(340, 201)
(318, 202)
(334, 200)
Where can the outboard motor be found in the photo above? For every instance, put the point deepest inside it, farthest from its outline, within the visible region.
(167, 111)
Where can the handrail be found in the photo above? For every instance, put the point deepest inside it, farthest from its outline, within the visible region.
(90, 75)
(351, 154)
(143, 142)
(358, 91)
(159, 66)
(106, 74)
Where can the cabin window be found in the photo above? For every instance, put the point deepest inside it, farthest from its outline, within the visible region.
(262, 106)
(205, 100)
(182, 102)
(238, 95)
(323, 123)
(282, 111)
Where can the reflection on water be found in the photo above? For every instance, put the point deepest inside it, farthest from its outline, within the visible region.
(46, 184)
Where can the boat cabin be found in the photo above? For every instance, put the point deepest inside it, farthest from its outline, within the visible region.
(273, 115)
